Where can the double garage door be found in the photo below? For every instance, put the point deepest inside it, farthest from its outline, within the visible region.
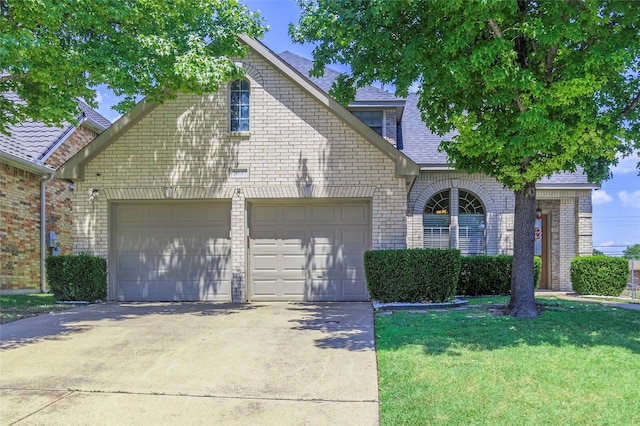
(181, 251)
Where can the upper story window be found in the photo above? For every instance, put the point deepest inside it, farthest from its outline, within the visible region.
(372, 119)
(239, 106)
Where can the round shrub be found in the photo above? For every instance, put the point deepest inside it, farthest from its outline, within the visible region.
(599, 275)
(77, 277)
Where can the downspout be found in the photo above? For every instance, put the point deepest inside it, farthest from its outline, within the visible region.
(43, 230)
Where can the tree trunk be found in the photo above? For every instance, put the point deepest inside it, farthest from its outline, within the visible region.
(523, 302)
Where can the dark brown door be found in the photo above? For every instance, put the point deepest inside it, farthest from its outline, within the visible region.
(544, 278)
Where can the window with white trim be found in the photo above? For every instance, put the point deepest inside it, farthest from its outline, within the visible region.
(462, 228)
(436, 221)
(239, 96)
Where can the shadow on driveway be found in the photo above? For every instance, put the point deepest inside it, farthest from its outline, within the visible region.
(61, 325)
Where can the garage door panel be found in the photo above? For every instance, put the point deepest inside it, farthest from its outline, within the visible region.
(315, 257)
(263, 215)
(158, 214)
(265, 262)
(131, 239)
(265, 288)
(130, 214)
(293, 262)
(291, 287)
(294, 213)
(354, 289)
(355, 236)
(173, 253)
(322, 290)
(323, 213)
(355, 214)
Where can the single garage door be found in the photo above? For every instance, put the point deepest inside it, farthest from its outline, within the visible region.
(177, 251)
(309, 251)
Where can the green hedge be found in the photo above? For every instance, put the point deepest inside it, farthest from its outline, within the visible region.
(490, 275)
(599, 275)
(77, 277)
(412, 275)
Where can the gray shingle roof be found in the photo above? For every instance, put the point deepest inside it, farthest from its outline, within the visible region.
(94, 115)
(304, 65)
(418, 142)
(31, 140)
(415, 139)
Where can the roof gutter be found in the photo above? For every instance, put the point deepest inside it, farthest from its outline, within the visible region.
(24, 164)
(43, 230)
(59, 142)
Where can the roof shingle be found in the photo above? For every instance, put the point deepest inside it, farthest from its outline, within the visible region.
(32, 140)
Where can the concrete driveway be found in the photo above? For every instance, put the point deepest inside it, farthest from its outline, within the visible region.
(191, 363)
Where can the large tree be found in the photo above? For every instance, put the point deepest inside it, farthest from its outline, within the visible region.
(53, 51)
(532, 88)
(632, 252)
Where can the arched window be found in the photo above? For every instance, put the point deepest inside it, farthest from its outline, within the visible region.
(239, 106)
(462, 228)
(436, 221)
(471, 224)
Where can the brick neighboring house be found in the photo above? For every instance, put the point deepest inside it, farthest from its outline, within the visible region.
(28, 161)
(271, 190)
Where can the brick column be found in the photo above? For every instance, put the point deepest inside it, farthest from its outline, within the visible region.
(239, 247)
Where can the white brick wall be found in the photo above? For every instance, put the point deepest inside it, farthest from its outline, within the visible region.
(294, 142)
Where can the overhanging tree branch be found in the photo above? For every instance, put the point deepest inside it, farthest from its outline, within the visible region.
(498, 33)
(548, 64)
(631, 106)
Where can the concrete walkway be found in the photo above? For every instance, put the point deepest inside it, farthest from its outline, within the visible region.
(191, 363)
(577, 298)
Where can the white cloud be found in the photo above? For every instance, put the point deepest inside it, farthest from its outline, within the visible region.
(600, 197)
(629, 199)
(607, 244)
(627, 165)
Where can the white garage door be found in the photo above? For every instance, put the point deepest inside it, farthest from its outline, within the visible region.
(310, 251)
(172, 251)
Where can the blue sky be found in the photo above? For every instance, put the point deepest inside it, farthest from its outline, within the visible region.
(616, 205)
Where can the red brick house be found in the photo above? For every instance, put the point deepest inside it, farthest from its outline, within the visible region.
(35, 206)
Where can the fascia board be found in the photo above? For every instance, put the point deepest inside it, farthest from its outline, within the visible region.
(73, 169)
(567, 185)
(25, 164)
(376, 104)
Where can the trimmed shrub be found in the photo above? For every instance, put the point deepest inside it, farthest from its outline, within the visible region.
(599, 275)
(537, 270)
(412, 275)
(490, 275)
(77, 277)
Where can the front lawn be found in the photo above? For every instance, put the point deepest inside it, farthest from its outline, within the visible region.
(19, 306)
(578, 363)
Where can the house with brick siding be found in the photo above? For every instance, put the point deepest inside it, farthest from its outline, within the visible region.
(270, 190)
(35, 205)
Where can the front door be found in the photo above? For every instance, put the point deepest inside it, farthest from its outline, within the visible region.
(544, 278)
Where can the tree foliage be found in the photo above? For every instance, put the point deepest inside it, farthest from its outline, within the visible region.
(632, 252)
(53, 51)
(532, 88)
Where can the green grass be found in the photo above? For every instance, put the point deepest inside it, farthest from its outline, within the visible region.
(578, 363)
(19, 306)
